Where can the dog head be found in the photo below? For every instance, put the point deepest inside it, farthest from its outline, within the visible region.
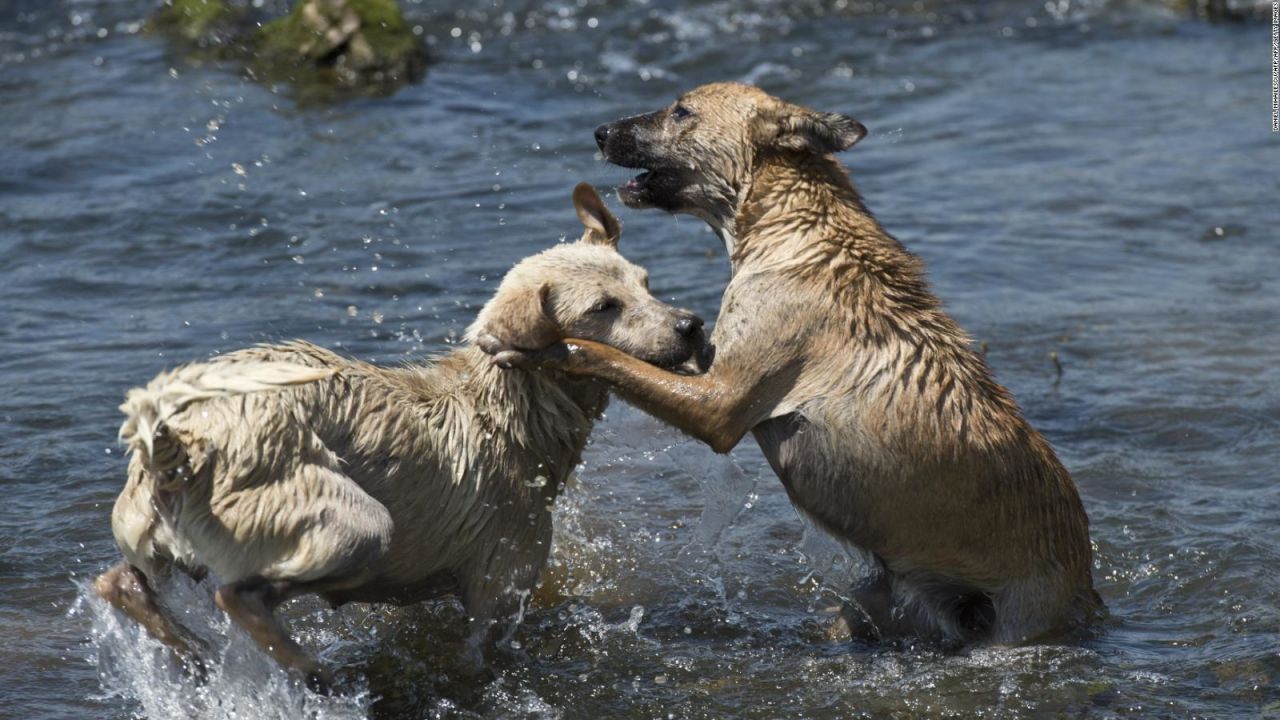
(586, 290)
(698, 153)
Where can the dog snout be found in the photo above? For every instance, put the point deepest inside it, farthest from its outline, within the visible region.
(688, 325)
(602, 135)
(624, 141)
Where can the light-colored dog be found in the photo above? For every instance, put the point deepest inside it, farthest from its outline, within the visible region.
(287, 469)
(885, 426)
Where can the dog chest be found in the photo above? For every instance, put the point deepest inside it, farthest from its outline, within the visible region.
(823, 479)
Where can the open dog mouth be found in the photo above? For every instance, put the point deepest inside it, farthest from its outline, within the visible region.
(618, 147)
(634, 193)
(659, 180)
(636, 183)
(654, 187)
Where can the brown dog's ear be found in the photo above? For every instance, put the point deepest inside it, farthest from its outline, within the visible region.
(602, 227)
(517, 319)
(792, 127)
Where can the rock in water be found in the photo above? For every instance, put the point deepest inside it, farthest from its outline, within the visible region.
(351, 43)
(327, 49)
(205, 23)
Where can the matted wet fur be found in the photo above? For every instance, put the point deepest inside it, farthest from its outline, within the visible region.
(883, 423)
(288, 469)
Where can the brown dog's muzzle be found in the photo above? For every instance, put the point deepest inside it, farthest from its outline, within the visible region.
(623, 141)
(602, 135)
(637, 142)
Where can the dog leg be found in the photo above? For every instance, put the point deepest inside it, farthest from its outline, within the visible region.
(1031, 609)
(486, 610)
(718, 408)
(126, 587)
(940, 609)
(868, 615)
(250, 604)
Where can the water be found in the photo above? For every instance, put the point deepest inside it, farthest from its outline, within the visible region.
(1096, 181)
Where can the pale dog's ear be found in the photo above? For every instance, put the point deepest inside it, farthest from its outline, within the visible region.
(602, 227)
(516, 319)
(791, 127)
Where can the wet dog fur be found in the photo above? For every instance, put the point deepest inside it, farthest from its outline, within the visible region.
(885, 426)
(287, 469)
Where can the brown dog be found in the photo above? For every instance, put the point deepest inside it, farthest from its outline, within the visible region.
(288, 469)
(885, 426)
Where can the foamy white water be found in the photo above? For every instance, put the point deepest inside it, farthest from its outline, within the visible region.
(239, 681)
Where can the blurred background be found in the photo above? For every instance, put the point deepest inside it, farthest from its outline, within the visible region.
(1092, 182)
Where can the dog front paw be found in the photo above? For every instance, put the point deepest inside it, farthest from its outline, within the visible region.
(562, 356)
(508, 359)
(489, 344)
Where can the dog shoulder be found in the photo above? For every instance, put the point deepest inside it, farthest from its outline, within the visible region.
(761, 311)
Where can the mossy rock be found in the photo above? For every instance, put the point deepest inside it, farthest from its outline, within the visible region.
(201, 22)
(327, 49)
(347, 43)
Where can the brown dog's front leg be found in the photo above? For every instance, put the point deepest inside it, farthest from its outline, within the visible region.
(717, 408)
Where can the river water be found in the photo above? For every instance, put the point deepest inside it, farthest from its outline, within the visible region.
(1093, 180)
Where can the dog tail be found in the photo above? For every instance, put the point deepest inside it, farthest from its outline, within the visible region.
(146, 409)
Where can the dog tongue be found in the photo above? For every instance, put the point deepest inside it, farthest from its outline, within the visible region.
(636, 181)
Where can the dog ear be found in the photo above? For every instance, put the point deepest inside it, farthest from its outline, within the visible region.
(792, 127)
(516, 319)
(602, 227)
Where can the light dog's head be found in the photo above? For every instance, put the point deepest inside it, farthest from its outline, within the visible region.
(586, 290)
(698, 153)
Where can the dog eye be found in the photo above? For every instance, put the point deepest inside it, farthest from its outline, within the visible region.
(606, 305)
(680, 112)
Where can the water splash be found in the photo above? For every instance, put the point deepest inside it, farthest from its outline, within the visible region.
(727, 490)
(239, 682)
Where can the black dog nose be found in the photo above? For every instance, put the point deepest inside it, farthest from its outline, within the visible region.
(602, 135)
(688, 325)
